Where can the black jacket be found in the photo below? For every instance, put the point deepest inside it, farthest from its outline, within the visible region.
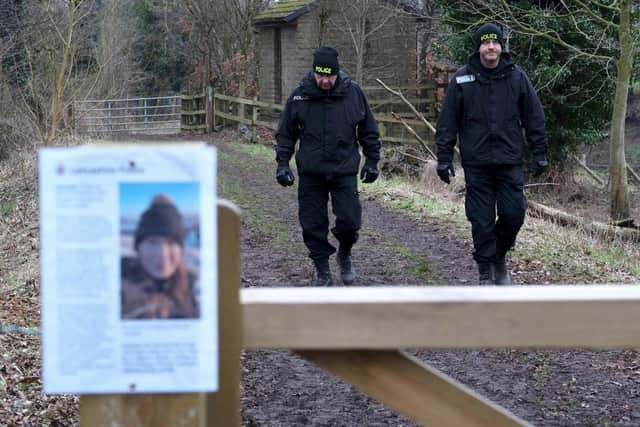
(329, 125)
(488, 111)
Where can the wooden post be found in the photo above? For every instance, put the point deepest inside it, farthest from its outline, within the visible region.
(213, 112)
(110, 118)
(209, 118)
(182, 109)
(223, 407)
(382, 128)
(191, 409)
(241, 105)
(254, 111)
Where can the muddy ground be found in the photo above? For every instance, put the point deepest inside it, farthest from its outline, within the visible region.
(546, 388)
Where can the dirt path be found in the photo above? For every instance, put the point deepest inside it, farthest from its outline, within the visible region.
(577, 388)
(280, 389)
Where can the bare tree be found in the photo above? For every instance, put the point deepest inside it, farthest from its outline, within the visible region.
(68, 50)
(116, 73)
(63, 67)
(219, 31)
(365, 23)
(45, 58)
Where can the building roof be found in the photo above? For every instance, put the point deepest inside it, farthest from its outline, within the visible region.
(285, 11)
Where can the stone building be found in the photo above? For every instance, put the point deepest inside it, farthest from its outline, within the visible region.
(290, 30)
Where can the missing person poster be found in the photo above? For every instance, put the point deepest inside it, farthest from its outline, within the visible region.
(129, 269)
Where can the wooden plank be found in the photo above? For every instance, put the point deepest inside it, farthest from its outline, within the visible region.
(209, 110)
(192, 127)
(391, 101)
(595, 316)
(235, 99)
(223, 407)
(390, 119)
(429, 85)
(233, 118)
(278, 107)
(269, 106)
(143, 410)
(414, 388)
(192, 97)
(193, 112)
(268, 125)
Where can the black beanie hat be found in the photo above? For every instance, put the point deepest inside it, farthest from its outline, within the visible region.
(161, 219)
(488, 31)
(325, 61)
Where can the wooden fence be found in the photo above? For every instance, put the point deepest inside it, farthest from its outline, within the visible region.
(207, 111)
(358, 334)
(231, 110)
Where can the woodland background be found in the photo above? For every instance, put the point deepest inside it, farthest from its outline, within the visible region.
(581, 56)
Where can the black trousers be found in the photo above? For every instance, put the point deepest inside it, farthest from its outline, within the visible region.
(491, 190)
(313, 197)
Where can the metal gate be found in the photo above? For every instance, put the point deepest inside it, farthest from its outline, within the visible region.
(157, 115)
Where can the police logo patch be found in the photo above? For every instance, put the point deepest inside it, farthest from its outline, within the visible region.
(467, 78)
(300, 98)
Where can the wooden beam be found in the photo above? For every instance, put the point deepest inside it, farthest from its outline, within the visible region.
(413, 388)
(596, 316)
(223, 407)
(233, 118)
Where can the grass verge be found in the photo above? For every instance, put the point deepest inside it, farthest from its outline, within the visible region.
(545, 252)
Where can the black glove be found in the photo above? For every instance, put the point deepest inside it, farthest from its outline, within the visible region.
(539, 166)
(284, 176)
(444, 169)
(369, 172)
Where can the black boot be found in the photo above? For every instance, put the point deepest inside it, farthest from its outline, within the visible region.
(347, 272)
(323, 272)
(502, 276)
(485, 274)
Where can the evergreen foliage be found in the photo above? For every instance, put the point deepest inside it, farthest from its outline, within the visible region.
(160, 50)
(577, 91)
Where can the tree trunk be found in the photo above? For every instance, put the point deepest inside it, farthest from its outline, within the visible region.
(58, 86)
(360, 51)
(619, 194)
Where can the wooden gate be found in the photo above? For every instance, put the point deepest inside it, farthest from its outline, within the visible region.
(358, 334)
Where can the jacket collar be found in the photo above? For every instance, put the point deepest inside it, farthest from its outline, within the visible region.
(504, 68)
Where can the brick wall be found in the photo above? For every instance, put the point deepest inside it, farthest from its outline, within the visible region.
(391, 52)
(265, 46)
(298, 45)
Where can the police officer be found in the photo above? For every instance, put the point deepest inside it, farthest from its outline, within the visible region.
(330, 116)
(488, 103)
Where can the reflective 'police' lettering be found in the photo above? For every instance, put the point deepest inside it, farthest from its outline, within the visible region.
(467, 78)
(300, 98)
(323, 70)
(490, 36)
